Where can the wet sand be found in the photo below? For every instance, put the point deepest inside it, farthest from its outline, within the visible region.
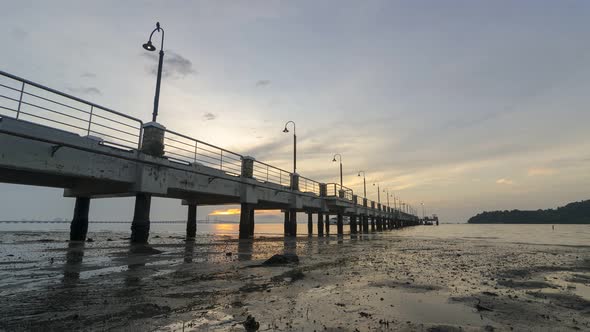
(391, 281)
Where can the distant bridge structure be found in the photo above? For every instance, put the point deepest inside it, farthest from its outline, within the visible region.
(52, 139)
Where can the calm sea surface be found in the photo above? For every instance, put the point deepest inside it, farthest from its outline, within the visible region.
(537, 234)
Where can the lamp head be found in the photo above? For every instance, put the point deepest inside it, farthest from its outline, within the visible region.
(359, 174)
(334, 160)
(149, 46)
(285, 130)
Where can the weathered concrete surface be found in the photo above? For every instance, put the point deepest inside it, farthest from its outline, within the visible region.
(87, 168)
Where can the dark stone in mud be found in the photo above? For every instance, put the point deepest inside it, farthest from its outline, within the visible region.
(250, 324)
(89, 240)
(282, 259)
(489, 293)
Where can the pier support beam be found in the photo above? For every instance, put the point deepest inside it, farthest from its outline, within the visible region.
(327, 224)
(340, 224)
(292, 223)
(353, 224)
(365, 224)
(372, 223)
(79, 225)
(140, 226)
(320, 224)
(246, 221)
(191, 222)
(309, 223)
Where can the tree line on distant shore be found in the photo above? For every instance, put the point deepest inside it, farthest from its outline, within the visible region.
(572, 213)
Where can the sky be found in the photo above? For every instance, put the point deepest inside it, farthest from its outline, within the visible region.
(466, 106)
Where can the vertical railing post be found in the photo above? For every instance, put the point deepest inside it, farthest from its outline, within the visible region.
(195, 158)
(20, 99)
(90, 119)
(221, 160)
(266, 173)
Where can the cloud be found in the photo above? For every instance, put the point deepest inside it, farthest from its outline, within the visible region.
(505, 181)
(19, 33)
(86, 90)
(175, 65)
(209, 116)
(88, 75)
(541, 171)
(263, 83)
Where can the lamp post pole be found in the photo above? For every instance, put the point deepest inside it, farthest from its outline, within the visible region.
(340, 159)
(150, 47)
(378, 193)
(364, 183)
(294, 144)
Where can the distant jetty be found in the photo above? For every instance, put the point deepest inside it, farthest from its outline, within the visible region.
(572, 213)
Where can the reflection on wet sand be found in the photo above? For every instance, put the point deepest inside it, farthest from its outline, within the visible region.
(245, 249)
(189, 250)
(136, 260)
(290, 245)
(73, 264)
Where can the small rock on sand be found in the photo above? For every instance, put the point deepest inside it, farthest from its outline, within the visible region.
(282, 259)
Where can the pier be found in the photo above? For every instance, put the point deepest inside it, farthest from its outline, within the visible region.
(52, 139)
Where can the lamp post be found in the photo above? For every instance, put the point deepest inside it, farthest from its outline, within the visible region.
(364, 183)
(334, 160)
(294, 144)
(378, 194)
(387, 192)
(150, 47)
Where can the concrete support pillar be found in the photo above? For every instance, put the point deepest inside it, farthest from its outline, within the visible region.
(79, 225)
(340, 224)
(153, 139)
(292, 223)
(365, 224)
(309, 223)
(286, 222)
(320, 224)
(191, 222)
(353, 224)
(140, 226)
(246, 220)
(327, 224)
(372, 223)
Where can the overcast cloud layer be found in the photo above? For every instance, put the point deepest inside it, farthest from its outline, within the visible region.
(463, 105)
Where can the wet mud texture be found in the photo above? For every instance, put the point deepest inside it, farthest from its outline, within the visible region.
(374, 282)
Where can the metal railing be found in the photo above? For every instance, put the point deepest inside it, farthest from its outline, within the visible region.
(309, 186)
(182, 148)
(334, 191)
(25, 100)
(267, 173)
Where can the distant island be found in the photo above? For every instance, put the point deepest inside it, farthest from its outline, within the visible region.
(572, 213)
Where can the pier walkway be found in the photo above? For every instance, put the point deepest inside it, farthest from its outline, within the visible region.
(49, 138)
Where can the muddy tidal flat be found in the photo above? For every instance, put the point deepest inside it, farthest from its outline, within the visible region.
(425, 278)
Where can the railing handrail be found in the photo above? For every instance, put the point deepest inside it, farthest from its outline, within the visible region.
(63, 94)
(268, 165)
(202, 142)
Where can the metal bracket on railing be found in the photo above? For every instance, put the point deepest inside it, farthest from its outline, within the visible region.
(210, 179)
(55, 148)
